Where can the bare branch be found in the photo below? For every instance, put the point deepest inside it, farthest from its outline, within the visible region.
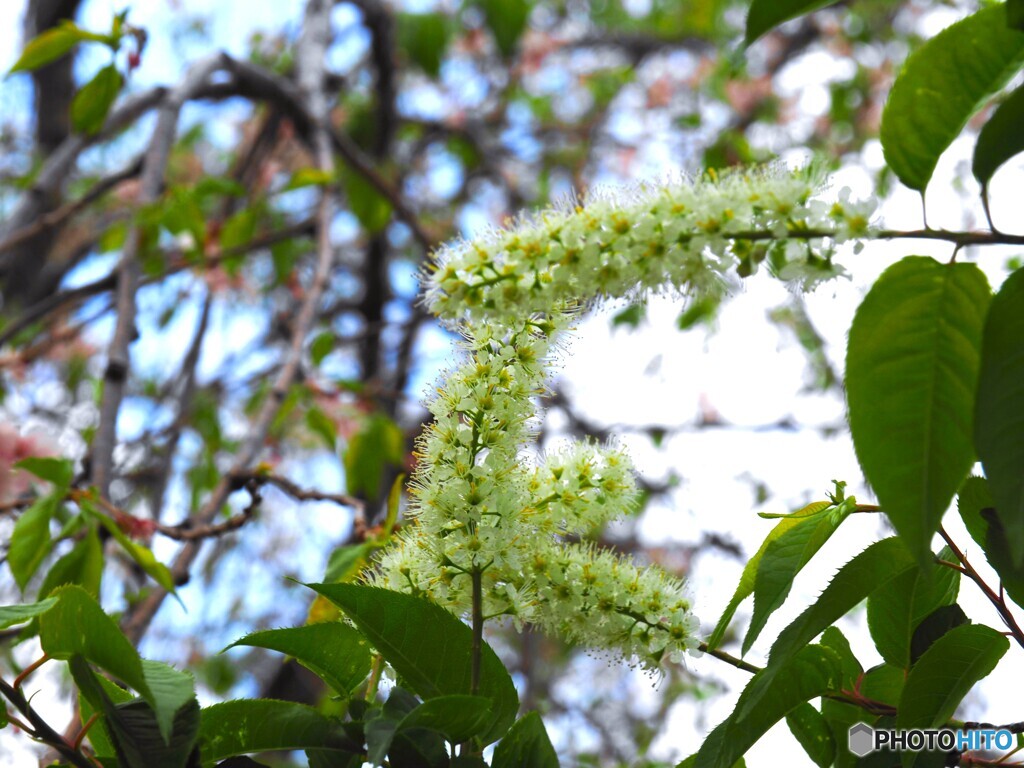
(118, 362)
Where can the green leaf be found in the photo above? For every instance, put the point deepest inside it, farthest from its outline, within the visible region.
(260, 725)
(347, 561)
(91, 104)
(321, 346)
(942, 84)
(171, 690)
(377, 444)
(429, 647)
(784, 557)
(366, 203)
(418, 748)
(77, 625)
(933, 626)
(526, 745)
(883, 683)
(95, 693)
(999, 409)
(881, 562)
(911, 371)
(60, 472)
(631, 316)
(238, 230)
(308, 177)
(810, 729)
(424, 38)
(83, 565)
(896, 609)
(507, 21)
(767, 699)
(47, 47)
(19, 614)
(334, 651)
(132, 730)
(834, 639)
(765, 15)
(1000, 138)
(1015, 14)
(140, 553)
(985, 526)
(746, 585)
(30, 540)
(322, 426)
(945, 674)
(457, 718)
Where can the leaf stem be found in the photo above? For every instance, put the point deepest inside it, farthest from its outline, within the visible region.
(998, 601)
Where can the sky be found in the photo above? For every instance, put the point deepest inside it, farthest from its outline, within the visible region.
(746, 369)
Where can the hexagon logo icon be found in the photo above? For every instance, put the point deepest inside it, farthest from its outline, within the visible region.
(861, 739)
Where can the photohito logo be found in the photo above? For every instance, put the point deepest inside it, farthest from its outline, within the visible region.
(862, 739)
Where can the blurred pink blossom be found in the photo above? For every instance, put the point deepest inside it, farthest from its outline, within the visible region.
(14, 447)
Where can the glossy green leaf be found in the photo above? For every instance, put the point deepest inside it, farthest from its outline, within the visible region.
(261, 725)
(60, 472)
(335, 652)
(424, 38)
(427, 646)
(458, 718)
(945, 674)
(747, 578)
(977, 509)
(1000, 138)
(377, 444)
(895, 609)
(19, 614)
(999, 410)
(91, 104)
(911, 372)
(784, 557)
(31, 540)
(526, 745)
(507, 21)
(83, 565)
(78, 626)
(810, 729)
(765, 15)
(47, 47)
(942, 84)
(767, 699)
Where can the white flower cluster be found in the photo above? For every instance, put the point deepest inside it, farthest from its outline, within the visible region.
(480, 510)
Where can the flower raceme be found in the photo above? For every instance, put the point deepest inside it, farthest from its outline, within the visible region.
(479, 507)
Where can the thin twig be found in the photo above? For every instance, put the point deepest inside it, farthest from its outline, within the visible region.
(310, 62)
(997, 600)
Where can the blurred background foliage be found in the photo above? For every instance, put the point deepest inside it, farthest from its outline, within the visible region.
(448, 117)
